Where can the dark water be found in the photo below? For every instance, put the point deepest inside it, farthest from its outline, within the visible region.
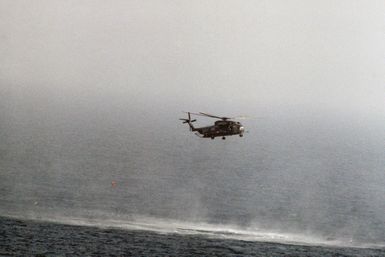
(27, 238)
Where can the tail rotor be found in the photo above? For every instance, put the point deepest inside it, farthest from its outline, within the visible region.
(189, 121)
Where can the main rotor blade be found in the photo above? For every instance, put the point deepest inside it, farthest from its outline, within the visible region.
(194, 113)
(218, 117)
(213, 116)
(199, 114)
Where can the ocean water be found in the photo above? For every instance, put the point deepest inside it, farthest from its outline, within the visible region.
(38, 238)
(290, 181)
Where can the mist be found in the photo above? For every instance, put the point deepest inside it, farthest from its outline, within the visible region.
(91, 92)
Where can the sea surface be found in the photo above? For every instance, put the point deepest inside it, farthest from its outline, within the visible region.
(41, 238)
(92, 182)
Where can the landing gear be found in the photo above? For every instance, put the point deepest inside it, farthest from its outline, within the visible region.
(212, 138)
(240, 135)
(223, 138)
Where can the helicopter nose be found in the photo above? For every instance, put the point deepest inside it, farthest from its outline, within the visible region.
(241, 129)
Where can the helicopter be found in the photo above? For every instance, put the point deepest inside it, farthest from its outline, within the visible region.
(223, 127)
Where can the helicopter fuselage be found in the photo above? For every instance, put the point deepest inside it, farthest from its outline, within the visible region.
(220, 129)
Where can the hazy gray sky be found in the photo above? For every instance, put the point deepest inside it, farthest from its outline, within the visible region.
(322, 55)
